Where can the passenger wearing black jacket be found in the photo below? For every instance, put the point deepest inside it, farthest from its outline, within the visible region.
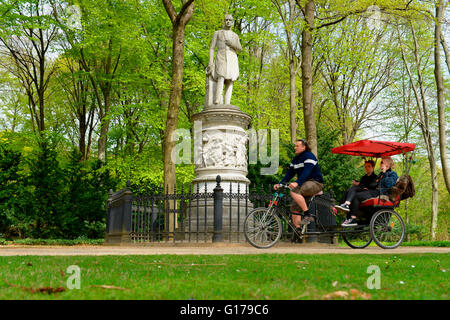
(309, 181)
(368, 181)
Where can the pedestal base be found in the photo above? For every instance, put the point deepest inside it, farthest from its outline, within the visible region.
(199, 224)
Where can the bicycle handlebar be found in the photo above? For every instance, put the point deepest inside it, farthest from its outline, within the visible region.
(282, 185)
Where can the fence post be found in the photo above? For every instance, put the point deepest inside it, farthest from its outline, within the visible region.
(218, 211)
(118, 229)
(108, 212)
(127, 210)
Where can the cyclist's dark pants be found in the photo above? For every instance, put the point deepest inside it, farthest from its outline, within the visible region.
(350, 194)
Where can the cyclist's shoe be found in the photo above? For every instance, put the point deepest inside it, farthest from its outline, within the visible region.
(343, 207)
(307, 219)
(349, 223)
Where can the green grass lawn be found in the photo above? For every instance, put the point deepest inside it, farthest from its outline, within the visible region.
(274, 276)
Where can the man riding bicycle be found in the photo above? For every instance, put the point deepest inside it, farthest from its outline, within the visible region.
(309, 181)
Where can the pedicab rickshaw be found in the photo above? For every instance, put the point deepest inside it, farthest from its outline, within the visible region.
(377, 219)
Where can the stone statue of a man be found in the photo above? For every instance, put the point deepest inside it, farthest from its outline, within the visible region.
(224, 70)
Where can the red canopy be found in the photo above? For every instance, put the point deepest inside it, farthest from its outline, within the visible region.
(374, 149)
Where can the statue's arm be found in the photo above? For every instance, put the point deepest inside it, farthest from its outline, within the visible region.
(238, 46)
(234, 43)
(212, 48)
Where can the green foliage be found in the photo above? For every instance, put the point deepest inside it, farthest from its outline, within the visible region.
(49, 199)
(418, 243)
(418, 209)
(265, 182)
(338, 170)
(415, 230)
(45, 188)
(88, 184)
(9, 178)
(53, 242)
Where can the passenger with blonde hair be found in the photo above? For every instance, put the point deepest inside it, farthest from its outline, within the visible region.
(386, 180)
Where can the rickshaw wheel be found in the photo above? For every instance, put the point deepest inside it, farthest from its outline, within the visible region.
(387, 229)
(359, 239)
(262, 227)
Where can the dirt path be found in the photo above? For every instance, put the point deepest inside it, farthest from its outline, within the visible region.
(203, 249)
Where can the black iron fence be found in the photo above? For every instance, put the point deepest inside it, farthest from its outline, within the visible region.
(193, 215)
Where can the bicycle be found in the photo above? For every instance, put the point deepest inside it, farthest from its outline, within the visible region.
(263, 228)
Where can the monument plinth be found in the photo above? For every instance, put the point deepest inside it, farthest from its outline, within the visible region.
(221, 150)
(222, 147)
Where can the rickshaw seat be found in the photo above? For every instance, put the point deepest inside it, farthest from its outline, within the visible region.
(380, 201)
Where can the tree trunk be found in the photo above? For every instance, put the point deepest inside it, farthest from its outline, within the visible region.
(440, 93)
(174, 106)
(408, 236)
(307, 86)
(104, 127)
(288, 23)
(179, 22)
(82, 140)
(424, 123)
(292, 100)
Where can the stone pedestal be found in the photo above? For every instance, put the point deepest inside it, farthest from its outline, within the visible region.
(220, 149)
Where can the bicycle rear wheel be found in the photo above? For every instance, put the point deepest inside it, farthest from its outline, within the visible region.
(262, 228)
(387, 229)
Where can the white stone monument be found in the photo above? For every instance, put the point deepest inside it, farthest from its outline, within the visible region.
(221, 137)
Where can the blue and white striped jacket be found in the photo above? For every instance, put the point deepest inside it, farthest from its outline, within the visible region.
(306, 167)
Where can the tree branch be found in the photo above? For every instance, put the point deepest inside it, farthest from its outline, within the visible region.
(446, 53)
(170, 10)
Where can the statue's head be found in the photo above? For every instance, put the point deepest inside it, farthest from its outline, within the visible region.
(228, 21)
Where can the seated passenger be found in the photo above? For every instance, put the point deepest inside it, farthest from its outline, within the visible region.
(385, 180)
(368, 181)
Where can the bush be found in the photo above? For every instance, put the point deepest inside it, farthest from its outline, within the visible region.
(415, 230)
(43, 197)
(88, 186)
(10, 183)
(46, 186)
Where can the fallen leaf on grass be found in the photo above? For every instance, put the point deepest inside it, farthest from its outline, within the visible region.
(51, 290)
(336, 294)
(48, 290)
(358, 294)
(334, 283)
(109, 287)
(29, 264)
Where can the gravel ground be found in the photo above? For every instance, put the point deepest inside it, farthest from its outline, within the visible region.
(203, 249)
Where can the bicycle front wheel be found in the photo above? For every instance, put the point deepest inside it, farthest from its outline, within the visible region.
(262, 228)
(359, 238)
